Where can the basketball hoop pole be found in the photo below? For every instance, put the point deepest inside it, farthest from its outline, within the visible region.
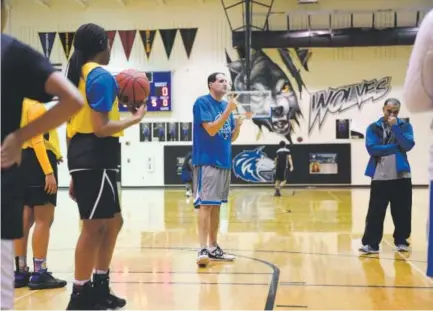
(248, 29)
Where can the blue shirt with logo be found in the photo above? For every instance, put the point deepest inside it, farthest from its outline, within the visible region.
(211, 150)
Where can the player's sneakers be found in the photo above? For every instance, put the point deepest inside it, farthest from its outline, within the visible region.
(44, 280)
(203, 257)
(21, 278)
(218, 254)
(101, 285)
(83, 298)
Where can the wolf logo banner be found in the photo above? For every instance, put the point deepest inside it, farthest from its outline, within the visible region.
(343, 98)
(253, 166)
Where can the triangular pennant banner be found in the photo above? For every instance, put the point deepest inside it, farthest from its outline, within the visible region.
(188, 38)
(47, 42)
(127, 37)
(67, 39)
(168, 36)
(147, 36)
(111, 34)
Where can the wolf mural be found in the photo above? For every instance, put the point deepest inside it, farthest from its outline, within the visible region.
(269, 76)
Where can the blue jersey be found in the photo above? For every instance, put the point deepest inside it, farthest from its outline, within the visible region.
(211, 150)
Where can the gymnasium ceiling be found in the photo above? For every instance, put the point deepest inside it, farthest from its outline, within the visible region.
(87, 3)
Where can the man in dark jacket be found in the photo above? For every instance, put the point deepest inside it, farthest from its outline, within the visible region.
(387, 141)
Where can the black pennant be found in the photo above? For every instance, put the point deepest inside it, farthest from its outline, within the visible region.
(47, 42)
(188, 38)
(147, 37)
(168, 36)
(67, 39)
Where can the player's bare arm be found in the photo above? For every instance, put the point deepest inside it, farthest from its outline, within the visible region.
(103, 126)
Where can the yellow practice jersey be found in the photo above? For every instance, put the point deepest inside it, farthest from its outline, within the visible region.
(82, 122)
(41, 143)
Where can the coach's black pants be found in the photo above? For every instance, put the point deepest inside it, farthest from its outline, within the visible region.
(399, 194)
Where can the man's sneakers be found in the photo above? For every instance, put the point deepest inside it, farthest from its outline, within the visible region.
(368, 249)
(214, 253)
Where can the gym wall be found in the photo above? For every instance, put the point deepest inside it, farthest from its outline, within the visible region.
(339, 91)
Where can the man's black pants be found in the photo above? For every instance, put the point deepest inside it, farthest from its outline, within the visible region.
(382, 192)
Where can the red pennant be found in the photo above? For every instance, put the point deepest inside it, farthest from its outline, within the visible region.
(111, 34)
(127, 37)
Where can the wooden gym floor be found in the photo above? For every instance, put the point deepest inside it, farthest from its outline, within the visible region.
(293, 252)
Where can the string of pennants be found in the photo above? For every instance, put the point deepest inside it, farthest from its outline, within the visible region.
(127, 37)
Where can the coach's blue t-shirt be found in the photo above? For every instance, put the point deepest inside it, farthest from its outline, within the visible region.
(211, 150)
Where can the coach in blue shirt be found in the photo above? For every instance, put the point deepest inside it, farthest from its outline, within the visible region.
(387, 141)
(214, 129)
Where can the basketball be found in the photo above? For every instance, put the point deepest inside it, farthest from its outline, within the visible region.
(134, 87)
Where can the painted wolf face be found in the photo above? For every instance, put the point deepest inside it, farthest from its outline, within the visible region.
(266, 75)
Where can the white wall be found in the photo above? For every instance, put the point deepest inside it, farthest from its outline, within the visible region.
(328, 68)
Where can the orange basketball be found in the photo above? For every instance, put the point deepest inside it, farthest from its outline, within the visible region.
(134, 87)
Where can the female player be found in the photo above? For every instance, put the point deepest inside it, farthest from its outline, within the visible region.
(39, 171)
(418, 96)
(93, 143)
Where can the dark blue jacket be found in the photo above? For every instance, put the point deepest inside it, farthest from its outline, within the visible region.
(403, 133)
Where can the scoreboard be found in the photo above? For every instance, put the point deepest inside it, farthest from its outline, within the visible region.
(160, 92)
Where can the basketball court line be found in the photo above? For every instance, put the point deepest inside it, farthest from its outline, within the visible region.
(414, 266)
(190, 283)
(334, 196)
(356, 286)
(349, 255)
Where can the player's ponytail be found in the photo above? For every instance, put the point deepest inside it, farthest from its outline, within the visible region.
(90, 39)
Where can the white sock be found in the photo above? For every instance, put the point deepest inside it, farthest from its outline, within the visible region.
(100, 272)
(80, 283)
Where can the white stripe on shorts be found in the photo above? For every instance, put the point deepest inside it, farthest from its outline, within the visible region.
(7, 274)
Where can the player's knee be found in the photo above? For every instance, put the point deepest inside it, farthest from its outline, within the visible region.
(94, 228)
(44, 216)
(116, 223)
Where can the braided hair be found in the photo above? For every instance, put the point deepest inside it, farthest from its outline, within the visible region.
(90, 39)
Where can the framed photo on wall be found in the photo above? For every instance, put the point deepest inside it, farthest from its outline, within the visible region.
(172, 129)
(145, 131)
(186, 131)
(342, 129)
(159, 132)
(323, 163)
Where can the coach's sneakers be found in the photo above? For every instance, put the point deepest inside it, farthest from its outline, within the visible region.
(402, 248)
(368, 249)
(101, 285)
(203, 258)
(216, 253)
(21, 278)
(44, 280)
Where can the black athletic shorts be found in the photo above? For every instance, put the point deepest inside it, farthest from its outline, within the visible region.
(12, 203)
(96, 193)
(34, 179)
(281, 174)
